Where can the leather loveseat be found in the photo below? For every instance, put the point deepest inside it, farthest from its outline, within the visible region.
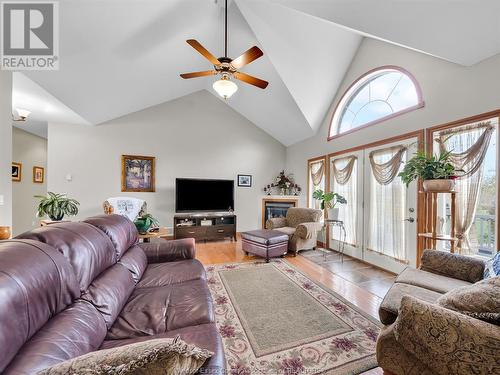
(72, 288)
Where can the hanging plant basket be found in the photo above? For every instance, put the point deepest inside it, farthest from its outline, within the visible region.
(439, 185)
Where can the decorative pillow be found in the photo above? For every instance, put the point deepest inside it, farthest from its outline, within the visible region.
(492, 267)
(152, 357)
(480, 300)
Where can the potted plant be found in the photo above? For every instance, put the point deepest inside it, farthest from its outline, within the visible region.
(145, 222)
(55, 206)
(437, 172)
(329, 201)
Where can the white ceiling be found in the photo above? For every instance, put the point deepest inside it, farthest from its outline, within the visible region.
(461, 31)
(44, 107)
(121, 56)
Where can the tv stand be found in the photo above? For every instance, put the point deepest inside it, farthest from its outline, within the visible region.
(205, 226)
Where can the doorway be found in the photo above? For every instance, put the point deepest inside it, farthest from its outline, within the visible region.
(380, 216)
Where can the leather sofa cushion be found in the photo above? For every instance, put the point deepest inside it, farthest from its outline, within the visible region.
(88, 249)
(265, 237)
(36, 282)
(135, 261)
(205, 336)
(109, 292)
(119, 229)
(163, 274)
(75, 331)
(151, 311)
(388, 311)
(428, 280)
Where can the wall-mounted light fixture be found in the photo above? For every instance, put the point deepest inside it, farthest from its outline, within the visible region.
(22, 115)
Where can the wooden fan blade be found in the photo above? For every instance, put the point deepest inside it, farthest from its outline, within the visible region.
(197, 46)
(251, 80)
(246, 58)
(198, 74)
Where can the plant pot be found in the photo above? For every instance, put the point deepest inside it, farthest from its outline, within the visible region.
(333, 213)
(439, 185)
(142, 226)
(56, 218)
(4, 233)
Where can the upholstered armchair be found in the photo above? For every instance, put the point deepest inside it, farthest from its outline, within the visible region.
(301, 225)
(132, 208)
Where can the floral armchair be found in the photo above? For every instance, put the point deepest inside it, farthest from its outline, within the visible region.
(301, 225)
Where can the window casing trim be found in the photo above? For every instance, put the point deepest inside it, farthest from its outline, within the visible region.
(355, 86)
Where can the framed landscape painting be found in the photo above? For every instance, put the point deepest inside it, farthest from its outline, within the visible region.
(244, 180)
(138, 173)
(17, 169)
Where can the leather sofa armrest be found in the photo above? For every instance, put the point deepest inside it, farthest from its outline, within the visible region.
(448, 342)
(453, 265)
(276, 222)
(169, 251)
(308, 231)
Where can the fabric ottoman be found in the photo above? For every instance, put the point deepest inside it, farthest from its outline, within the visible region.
(265, 243)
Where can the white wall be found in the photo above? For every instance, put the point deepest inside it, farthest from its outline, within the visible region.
(30, 150)
(193, 136)
(6, 147)
(450, 92)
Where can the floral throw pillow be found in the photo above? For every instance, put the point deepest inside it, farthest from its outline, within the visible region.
(492, 267)
(480, 300)
(151, 357)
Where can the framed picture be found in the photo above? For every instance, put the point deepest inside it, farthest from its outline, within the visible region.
(17, 170)
(244, 180)
(138, 173)
(38, 175)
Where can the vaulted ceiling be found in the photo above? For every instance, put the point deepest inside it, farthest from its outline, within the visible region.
(121, 56)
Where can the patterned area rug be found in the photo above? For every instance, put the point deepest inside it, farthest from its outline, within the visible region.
(275, 320)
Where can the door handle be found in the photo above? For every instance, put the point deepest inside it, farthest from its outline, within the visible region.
(410, 219)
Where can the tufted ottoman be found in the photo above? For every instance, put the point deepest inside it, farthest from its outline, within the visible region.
(265, 243)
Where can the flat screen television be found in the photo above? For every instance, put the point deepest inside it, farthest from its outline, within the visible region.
(193, 195)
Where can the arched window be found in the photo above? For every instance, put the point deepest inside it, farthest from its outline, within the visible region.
(376, 96)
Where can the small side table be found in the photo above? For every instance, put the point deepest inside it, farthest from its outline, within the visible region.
(162, 232)
(343, 234)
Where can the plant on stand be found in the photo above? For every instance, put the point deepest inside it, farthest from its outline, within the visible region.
(437, 172)
(56, 206)
(328, 202)
(145, 222)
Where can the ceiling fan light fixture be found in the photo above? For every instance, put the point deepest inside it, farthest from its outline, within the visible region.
(225, 87)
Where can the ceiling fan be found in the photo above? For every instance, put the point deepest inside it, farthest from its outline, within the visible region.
(226, 67)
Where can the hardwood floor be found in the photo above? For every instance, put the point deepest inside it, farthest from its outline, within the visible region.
(331, 277)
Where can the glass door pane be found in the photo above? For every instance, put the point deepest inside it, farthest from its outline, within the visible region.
(390, 210)
(351, 213)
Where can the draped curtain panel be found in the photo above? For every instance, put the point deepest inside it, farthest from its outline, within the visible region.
(471, 143)
(386, 232)
(344, 182)
(385, 171)
(317, 171)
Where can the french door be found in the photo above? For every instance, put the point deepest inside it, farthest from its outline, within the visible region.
(381, 214)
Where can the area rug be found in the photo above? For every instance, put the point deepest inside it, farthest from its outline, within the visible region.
(275, 320)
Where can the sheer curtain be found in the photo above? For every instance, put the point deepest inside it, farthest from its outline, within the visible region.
(468, 146)
(344, 182)
(316, 175)
(386, 232)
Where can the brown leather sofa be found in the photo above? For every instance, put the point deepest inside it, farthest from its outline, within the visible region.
(72, 288)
